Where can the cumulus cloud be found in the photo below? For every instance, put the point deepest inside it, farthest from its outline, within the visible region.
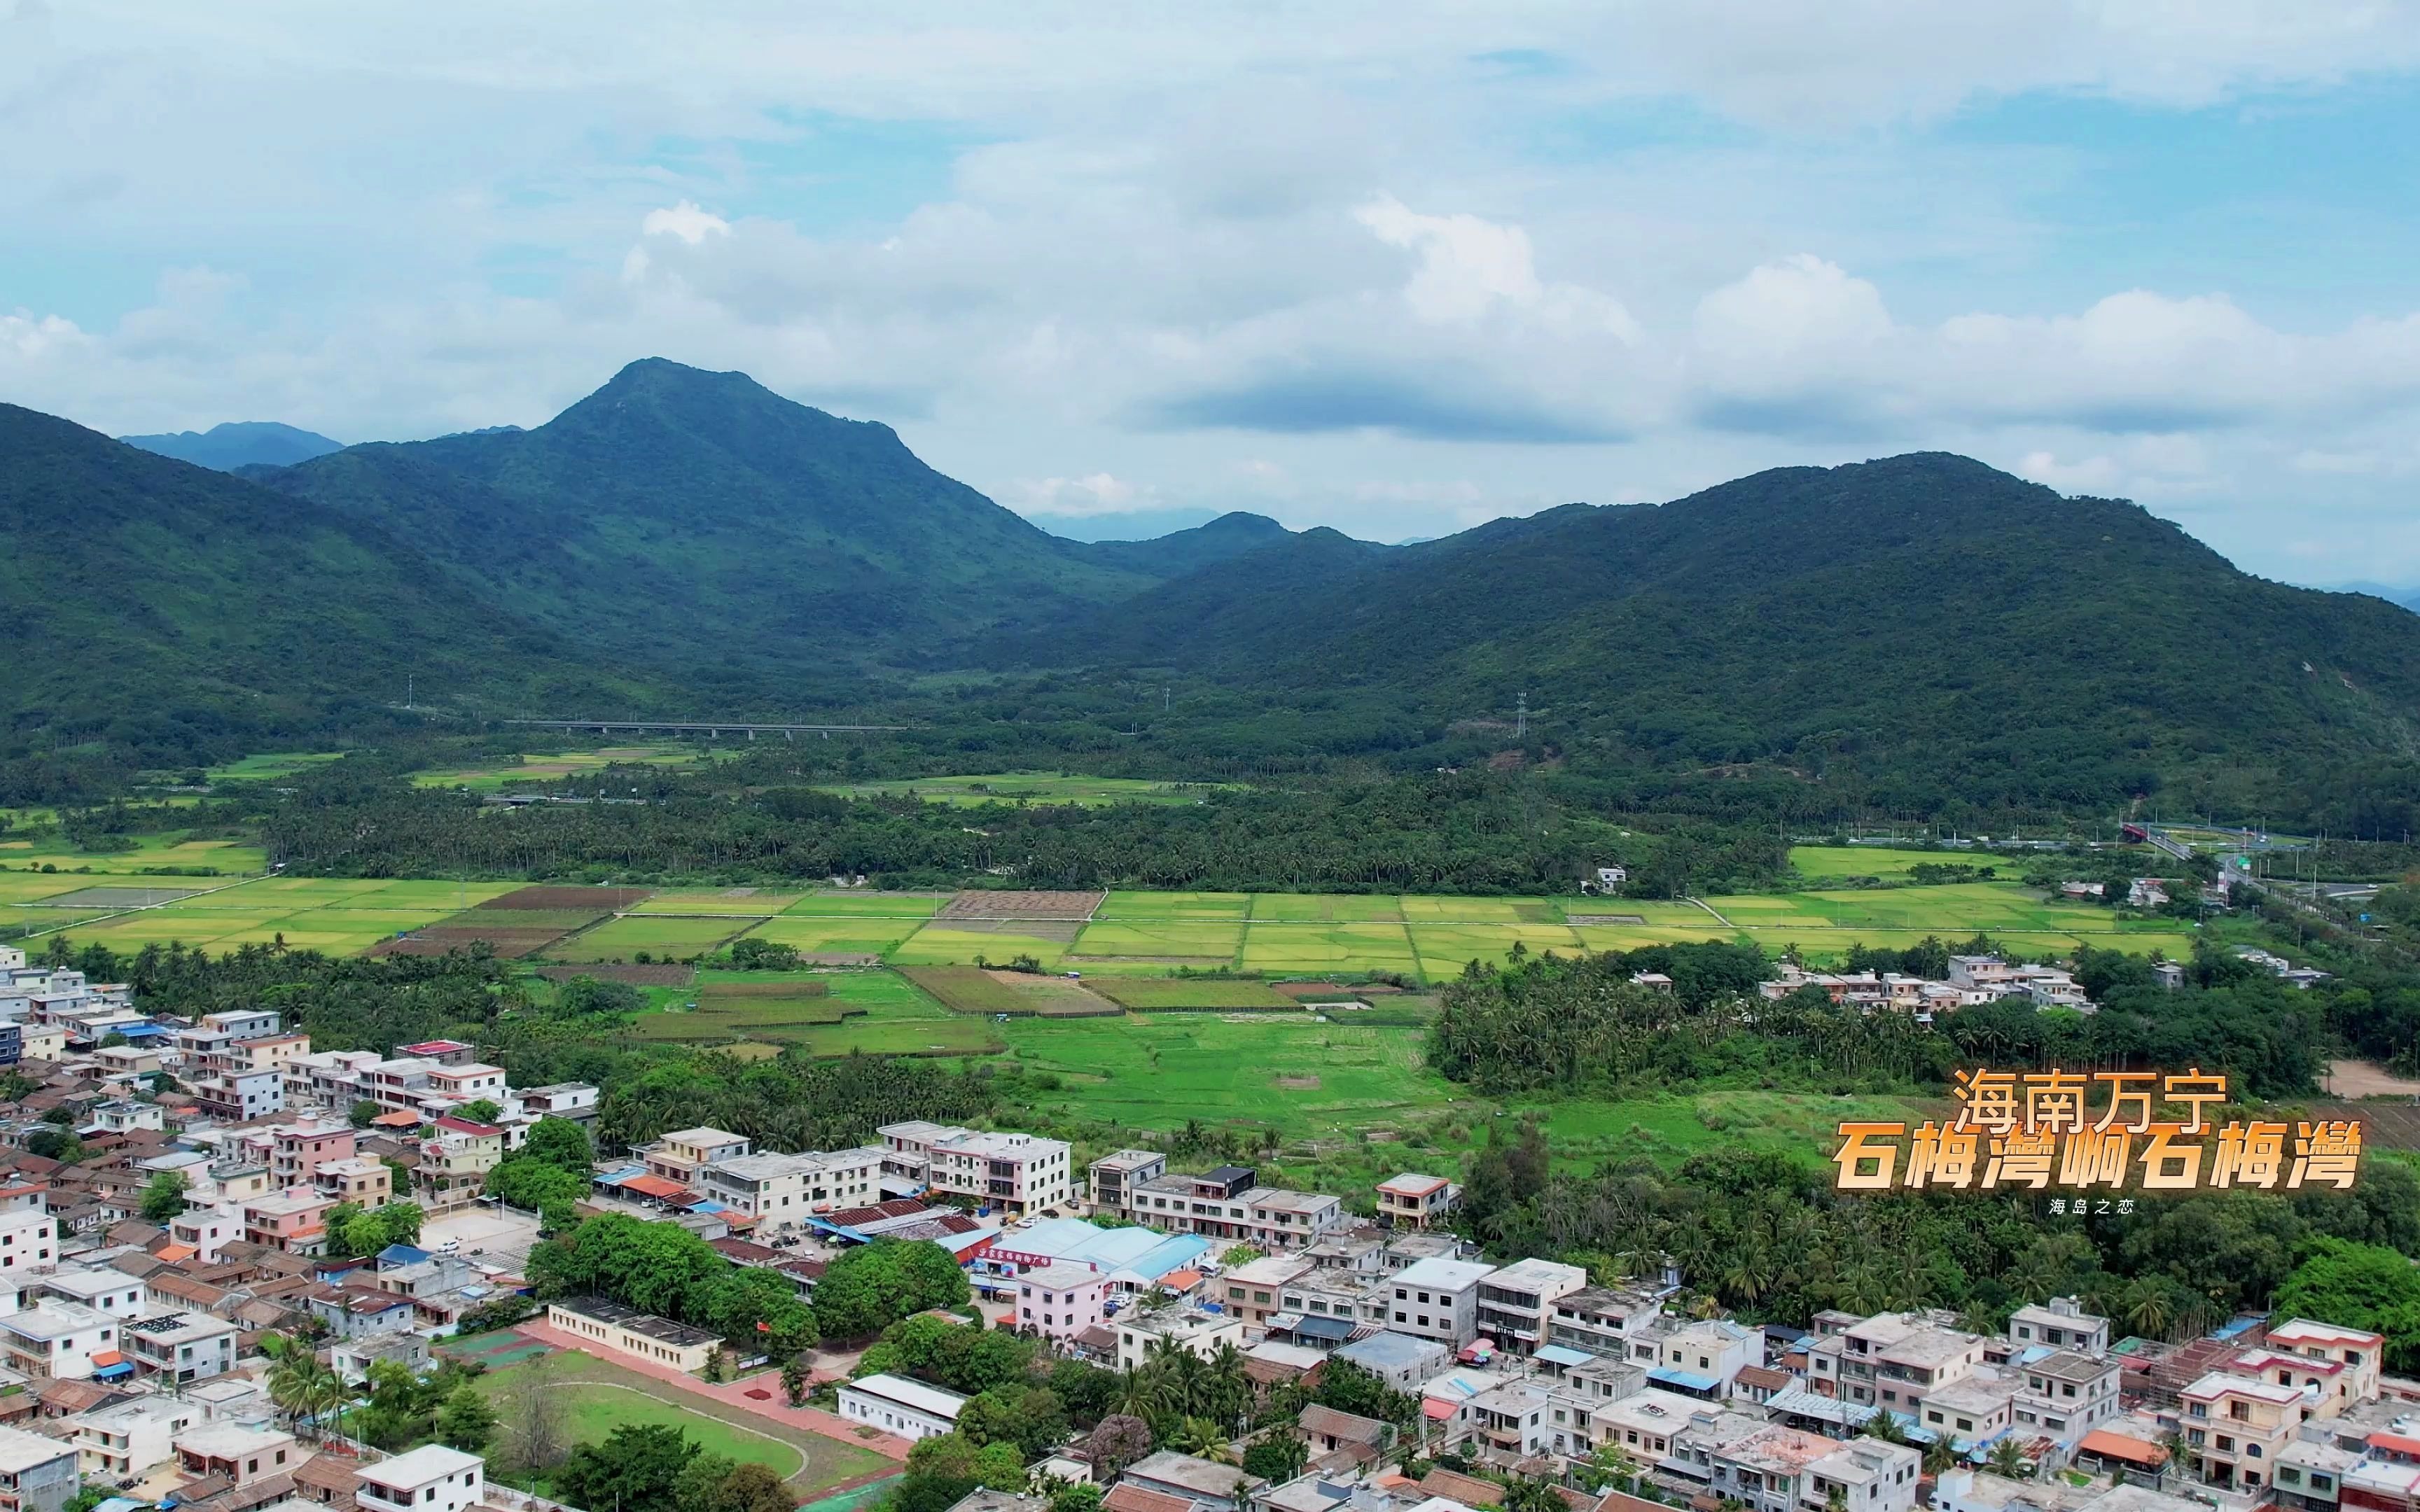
(685, 221)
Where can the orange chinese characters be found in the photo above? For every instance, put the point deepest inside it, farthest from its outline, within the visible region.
(2326, 1154)
(2054, 1101)
(1989, 1099)
(2020, 1158)
(1945, 1157)
(2171, 1160)
(1864, 1145)
(2249, 1154)
(2130, 1099)
(2196, 1090)
(2092, 1157)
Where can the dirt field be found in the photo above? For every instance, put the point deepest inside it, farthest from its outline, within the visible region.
(2360, 1078)
(1022, 906)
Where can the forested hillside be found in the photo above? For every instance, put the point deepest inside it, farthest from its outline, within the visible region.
(1929, 623)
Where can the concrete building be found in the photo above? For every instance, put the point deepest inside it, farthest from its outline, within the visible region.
(2234, 1428)
(1210, 1486)
(1602, 1320)
(1014, 1173)
(1197, 1332)
(1701, 1357)
(1403, 1361)
(241, 1453)
(454, 1161)
(782, 1192)
(895, 1404)
(2359, 1351)
(64, 1340)
(2062, 1324)
(181, 1348)
(131, 1438)
(111, 1292)
(2066, 1394)
(679, 1156)
(1438, 1300)
(1411, 1200)
(37, 1474)
(239, 1096)
(29, 1237)
(1255, 1292)
(431, 1479)
(1516, 1302)
(628, 1331)
(1228, 1203)
(1867, 1474)
(1113, 1177)
(575, 1101)
(1060, 1302)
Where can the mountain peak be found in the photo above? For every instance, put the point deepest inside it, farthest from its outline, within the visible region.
(240, 443)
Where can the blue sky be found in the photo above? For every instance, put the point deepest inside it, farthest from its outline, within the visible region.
(1394, 267)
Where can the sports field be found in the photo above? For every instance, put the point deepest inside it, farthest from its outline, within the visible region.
(1031, 787)
(597, 1397)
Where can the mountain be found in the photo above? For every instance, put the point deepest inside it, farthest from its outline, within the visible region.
(686, 517)
(137, 593)
(1185, 551)
(239, 443)
(2409, 597)
(1921, 613)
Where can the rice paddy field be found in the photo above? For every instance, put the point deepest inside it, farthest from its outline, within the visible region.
(531, 770)
(1822, 863)
(1031, 787)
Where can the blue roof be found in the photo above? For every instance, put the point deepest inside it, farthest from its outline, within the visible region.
(1563, 1355)
(1389, 1351)
(111, 1372)
(1685, 1380)
(1173, 1253)
(1325, 1328)
(401, 1255)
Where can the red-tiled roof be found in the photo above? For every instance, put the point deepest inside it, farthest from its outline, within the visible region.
(1128, 1496)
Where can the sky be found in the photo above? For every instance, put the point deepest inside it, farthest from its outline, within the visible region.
(1397, 267)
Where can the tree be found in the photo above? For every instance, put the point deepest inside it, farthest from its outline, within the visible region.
(1277, 1456)
(466, 1422)
(1083, 1496)
(2008, 1460)
(1121, 1440)
(1027, 1417)
(559, 1142)
(163, 1197)
(1238, 1255)
(480, 1110)
(752, 1488)
(1533, 1493)
(867, 1289)
(637, 1468)
(535, 1438)
(362, 1113)
(2358, 1286)
(793, 1380)
(1204, 1439)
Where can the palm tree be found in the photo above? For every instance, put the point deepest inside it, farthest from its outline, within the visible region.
(1533, 1493)
(2007, 1460)
(1204, 1439)
(1886, 1426)
(2148, 1307)
(1938, 1457)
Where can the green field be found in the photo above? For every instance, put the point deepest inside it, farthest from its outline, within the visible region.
(1032, 787)
(1820, 863)
(597, 1397)
(623, 937)
(531, 770)
(270, 766)
(1130, 907)
(175, 848)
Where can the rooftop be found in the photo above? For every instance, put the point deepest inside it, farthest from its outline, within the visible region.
(914, 1393)
(1201, 1476)
(1440, 1275)
(20, 1451)
(429, 1462)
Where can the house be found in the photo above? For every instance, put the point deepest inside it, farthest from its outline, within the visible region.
(1516, 1302)
(454, 1161)
(37, 1474)
(63, 1339)
(678, 1157)
(129, 1438)
(28, 1237)
(782, 1192)
(1699, 1358)
(181, 1348)
(1411, 1200)
(575, 1101)
(1402, 1360)
(1209, 1487)
(238, 1096)
(241, 1453)
(1439, 1299)
(358, 1312)
(1115, 1175)
(110, 1291)
(1229, 1203)
(1185, 1328)
(1865, 1474)
(1254, 1291)
(2062, 1323)
(1603, 1321)
(2359, 1352)
(1768, 1469)
(894, 1404)
(2234, 1427)
(627, 1330)
(431, 1479)
(1327, 1431)
(1061, 1301)
(2067, 1394)
(1014, 1173)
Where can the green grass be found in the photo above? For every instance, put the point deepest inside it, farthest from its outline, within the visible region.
(938, 945)
(867, 935)
(1296, 948)
(1445, 948)
(623, 938)
(1145, 993)
(269, 765)
(1186, 940)
(532, 770)
(1819, 862)
(231, 858)
(1032, 787)
(1324, 908)
(598, 1396)
(1153, 906)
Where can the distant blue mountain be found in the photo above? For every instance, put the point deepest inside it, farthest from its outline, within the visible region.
(1128, 525)
(240, 443)
(2407, 596)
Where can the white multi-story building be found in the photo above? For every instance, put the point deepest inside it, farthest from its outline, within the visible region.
(109, 1292)
(1018, 1173)
(2061, 1323)
(28, 1237)
(129, 1439)
(181, 1348)
(57, 1339)
(1438, 1300)
(431, 1479)
(37, 1474)
(1194, 1332)
(781, 1192)
(679, 1156)
(1229, 1204)
(1603, 1321)
(1115, 1175)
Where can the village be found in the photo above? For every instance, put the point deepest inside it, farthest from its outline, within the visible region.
(180, 1200)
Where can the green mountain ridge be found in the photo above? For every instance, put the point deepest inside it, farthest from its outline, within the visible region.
(1805, 615)
(239, 445)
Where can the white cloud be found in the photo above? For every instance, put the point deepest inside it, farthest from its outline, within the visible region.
(1097, 493)
(685, 221)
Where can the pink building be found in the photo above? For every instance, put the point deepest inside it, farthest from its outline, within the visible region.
(297, 1151)
(1059, 1301)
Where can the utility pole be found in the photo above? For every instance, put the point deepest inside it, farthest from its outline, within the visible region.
(1521, 720)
